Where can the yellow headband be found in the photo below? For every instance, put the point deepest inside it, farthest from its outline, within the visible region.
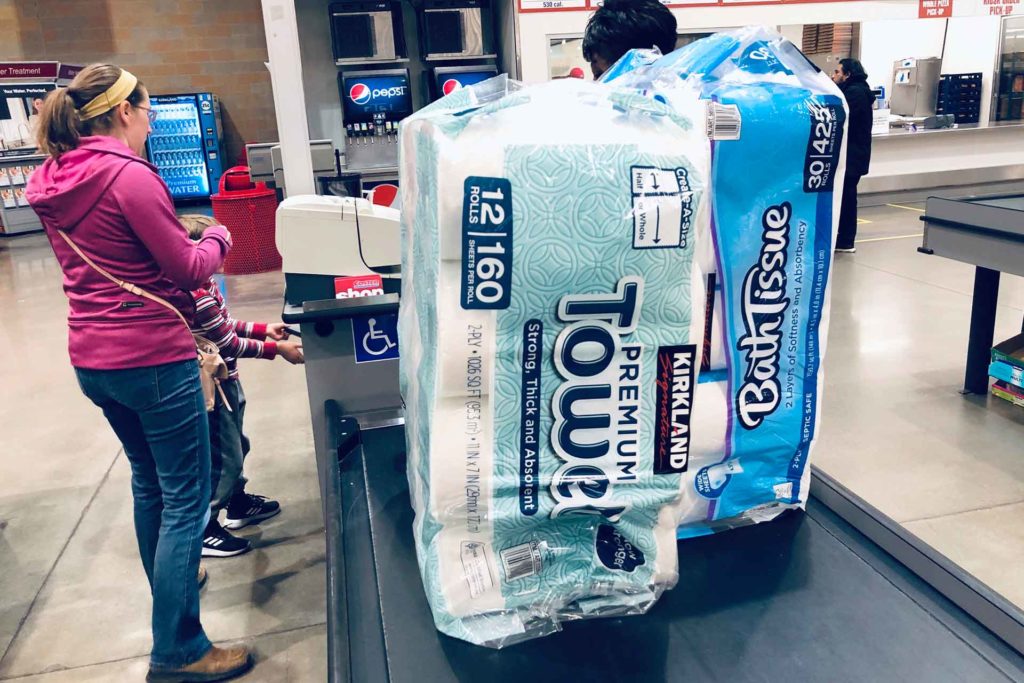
(114, 95)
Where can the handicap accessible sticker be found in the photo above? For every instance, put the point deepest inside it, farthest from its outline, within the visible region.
(375, 337)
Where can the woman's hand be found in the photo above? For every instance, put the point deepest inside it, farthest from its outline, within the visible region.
(291, 352)
(277, 331)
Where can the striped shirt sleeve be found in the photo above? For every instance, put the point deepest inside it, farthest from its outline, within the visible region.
(250, 330)
(213, 322)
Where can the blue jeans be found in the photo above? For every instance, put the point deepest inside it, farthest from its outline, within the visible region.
(228, 445)
(159, 415)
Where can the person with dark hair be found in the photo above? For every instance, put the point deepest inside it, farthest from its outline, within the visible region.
(619, 26)
(851, 78)
(111, 223)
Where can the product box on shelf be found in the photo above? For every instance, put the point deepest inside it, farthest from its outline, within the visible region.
(16, 216)
(1004, 372)
(1007, 366)
(1010, 351)
(1008, 392)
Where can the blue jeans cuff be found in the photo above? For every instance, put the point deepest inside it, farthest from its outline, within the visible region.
(193, 653)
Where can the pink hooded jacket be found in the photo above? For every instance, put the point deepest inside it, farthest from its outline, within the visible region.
(119, 212)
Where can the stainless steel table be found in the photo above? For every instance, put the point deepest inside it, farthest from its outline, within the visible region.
(988, 233)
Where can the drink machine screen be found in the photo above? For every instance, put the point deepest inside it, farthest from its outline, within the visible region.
(450, 79)
(374, 101)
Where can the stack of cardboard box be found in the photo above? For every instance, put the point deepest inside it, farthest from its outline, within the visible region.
(1007, 369)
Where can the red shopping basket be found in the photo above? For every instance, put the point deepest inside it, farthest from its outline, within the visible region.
(248, 211)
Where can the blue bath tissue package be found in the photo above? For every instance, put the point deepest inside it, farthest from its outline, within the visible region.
(551, 325)
(631, 61)
(778, 134)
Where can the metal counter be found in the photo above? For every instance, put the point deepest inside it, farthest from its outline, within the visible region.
(988, 233)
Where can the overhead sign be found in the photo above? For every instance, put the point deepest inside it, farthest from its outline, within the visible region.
(934, 9)
(29, 71)
(528, 6)
(551, 5)
(1001, 8)
(68, 72)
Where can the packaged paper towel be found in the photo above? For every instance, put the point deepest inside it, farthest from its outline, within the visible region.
(551, 326)
(779, 129)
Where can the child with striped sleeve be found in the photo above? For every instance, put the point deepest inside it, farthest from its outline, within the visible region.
(228, 443)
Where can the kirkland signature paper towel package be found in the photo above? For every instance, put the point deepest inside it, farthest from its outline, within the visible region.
(776, 191)
(551, 324)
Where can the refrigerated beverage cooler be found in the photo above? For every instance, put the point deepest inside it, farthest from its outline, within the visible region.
(186, 143)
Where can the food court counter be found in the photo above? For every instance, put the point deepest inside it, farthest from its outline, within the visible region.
(972, 154)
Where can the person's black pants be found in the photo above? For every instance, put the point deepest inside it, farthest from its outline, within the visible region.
(848, 213)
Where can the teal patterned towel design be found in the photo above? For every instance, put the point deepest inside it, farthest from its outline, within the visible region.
(550, 327)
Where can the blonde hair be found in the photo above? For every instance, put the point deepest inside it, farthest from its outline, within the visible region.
(196, 224)
(60, 124)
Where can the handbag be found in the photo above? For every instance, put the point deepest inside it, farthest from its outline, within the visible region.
(212, 368)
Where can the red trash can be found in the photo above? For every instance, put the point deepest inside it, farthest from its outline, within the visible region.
(248, 211)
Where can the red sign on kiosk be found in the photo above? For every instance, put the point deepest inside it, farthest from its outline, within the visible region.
(934, 9)
(357, 286)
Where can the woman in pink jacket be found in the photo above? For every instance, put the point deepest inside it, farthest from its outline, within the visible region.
(134, 358)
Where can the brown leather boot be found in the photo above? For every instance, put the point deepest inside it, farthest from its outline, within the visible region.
(219, 664)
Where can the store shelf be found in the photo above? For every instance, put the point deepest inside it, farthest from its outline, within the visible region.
(16, 216)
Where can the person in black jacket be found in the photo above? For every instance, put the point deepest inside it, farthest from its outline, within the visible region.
(853, 81)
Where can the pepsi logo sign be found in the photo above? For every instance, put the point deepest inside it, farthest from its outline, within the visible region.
(360, 93)
(450, 86)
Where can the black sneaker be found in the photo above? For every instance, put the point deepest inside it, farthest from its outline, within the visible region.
(245, 509)
(219, 543)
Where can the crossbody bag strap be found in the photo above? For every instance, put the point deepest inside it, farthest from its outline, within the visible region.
(127, 286)
(138, 291)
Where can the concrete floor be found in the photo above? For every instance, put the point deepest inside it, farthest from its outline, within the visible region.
(73, 598)
(74, 603)
(895, 430)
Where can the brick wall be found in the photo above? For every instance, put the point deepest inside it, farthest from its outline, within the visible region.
(172, 45)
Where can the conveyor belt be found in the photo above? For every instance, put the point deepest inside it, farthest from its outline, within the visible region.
(804, 598)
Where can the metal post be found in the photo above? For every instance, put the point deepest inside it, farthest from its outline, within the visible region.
(289, 97)
(983, 325)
